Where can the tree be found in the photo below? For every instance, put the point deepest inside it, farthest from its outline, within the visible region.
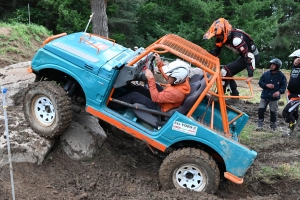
(271, 23)
(123, 21)
(100, 18)
(257, 18)
(288, 31)
(189, 19)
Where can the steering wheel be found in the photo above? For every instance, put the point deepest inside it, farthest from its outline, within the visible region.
(149, 65)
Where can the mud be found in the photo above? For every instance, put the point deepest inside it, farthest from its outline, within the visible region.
(126, 169)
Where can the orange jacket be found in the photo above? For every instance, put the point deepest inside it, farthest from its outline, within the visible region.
(171, 97)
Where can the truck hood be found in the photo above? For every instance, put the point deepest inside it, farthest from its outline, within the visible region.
(90, 51)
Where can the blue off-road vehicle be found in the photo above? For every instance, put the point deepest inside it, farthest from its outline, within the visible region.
(200, 139)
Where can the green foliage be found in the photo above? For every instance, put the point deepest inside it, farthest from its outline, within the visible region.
(20, 16)
(59, 16)
(119, 37)
(187, 18)
(257, 19)
(123, 21)
(288, 32)
(68, 15)
(272, 24)
(38, 31)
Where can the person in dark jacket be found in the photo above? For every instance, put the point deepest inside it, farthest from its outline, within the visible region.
(273, 83)
(290, 111)
(239, 42)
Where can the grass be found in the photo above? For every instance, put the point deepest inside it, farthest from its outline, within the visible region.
(245, 91)
(259, 140)
(21, 39)
(250, 137)
(270, 174)
(246, 134)
(264, 172)
(256, 76)
(11, 50)
(258, 72)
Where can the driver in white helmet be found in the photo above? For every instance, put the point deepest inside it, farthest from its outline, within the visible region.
(290, 111)
(172, 96)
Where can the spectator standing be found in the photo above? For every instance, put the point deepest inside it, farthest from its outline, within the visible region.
(273, 83)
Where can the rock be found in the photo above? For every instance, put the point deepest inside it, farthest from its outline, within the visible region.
(15, 78)
(83, 138)
(80, 142)
(25, 144)
(84, 196)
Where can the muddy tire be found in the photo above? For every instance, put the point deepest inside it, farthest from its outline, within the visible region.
(189, 168)
(47, 109)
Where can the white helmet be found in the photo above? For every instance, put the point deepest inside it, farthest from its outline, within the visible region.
(177, 69)
(295, 54)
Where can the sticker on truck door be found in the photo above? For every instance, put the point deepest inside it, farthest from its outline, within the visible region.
(184, 128)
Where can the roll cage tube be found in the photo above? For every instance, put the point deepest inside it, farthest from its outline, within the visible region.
(200, 58)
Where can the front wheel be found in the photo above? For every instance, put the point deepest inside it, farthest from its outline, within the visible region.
(47, 109)
(190, 168)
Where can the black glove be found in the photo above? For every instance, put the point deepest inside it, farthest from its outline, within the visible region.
(141, 76)
(213, 52)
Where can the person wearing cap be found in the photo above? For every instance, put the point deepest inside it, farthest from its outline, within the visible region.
(172, 96)
(290, 111)
(273, 83)
(135, 48)
(239, 42)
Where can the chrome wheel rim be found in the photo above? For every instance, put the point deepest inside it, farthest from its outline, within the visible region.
(43, 110)
(189, 176)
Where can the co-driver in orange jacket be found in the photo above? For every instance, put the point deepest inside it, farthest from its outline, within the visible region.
(174, 93)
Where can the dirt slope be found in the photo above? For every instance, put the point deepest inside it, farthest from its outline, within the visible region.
(127, 169)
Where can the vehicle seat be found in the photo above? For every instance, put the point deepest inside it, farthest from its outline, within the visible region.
(197, 83)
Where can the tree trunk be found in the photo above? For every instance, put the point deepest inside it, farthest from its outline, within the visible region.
(99, 20)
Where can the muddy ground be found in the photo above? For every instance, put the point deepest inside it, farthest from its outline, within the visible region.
(127, 169)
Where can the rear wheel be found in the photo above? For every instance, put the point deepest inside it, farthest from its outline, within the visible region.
(47, 109)
(190, 168)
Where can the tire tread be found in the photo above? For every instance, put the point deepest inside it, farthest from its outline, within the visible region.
(63, 107)
(165, 171)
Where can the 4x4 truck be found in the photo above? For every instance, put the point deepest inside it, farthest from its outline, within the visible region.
(199, 139)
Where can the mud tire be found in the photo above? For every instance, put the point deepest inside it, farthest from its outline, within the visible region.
(47, 109)
(189, 168)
